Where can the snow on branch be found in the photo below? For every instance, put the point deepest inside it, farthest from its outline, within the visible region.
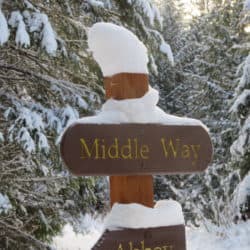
(96, 3)
(5, 204)
(149, 10)
(30, 6)
(166, 49)
(240, 145)
(32, 122)
(244, 190)
(242, 99)
(22, 36)
(245, 79)
(35, 21)
(1, 137)
(243, 46)
(39, 22)
(4, 31)
(25, 139)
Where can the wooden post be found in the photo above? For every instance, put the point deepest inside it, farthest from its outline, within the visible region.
(129, 189)
(134, 188)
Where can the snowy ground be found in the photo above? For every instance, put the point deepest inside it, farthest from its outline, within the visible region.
(237, 237)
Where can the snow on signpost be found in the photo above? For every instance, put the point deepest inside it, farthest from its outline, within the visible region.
(131, 137)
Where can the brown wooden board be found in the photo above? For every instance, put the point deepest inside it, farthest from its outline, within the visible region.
(131, 149)
(90, 149)
(161, 238)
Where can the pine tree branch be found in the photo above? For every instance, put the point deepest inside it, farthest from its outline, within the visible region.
(25, 235)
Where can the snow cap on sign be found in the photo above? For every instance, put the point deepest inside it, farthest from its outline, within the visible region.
(117, 50)
(138, 110)
(133, 215)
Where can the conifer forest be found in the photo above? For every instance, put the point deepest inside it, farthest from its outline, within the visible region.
(199, 61)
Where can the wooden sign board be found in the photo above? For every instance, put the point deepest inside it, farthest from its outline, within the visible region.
(131, 149)
(161, 238)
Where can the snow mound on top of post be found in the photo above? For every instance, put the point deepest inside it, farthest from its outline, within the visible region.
(165, 213)
(138, 110)
(117, 49)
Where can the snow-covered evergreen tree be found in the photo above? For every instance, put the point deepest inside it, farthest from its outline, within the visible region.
(206, 63)
(48, 79)
(240, 110)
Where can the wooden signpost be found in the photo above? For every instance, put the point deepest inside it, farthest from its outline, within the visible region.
(137, 188)
(130, 154)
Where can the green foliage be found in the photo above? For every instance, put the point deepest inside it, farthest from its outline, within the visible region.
(206, 63)
(209, 65)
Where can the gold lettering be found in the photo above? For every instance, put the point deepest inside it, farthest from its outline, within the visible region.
(143, 247)
(171, 146)
(126, 147)
(144, 150)
(114, 148)
(131, 246)
(167, 248)
(136, 148)
(88, 151)
(195, 149)
(164, 147)
(175, 150)
(120, 247)
(103, 149)
(185, 152)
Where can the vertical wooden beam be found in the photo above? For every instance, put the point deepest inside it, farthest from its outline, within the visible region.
(132, 189)
(129, 189)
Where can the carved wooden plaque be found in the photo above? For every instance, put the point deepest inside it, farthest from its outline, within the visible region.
(161, 238)
(131, 149)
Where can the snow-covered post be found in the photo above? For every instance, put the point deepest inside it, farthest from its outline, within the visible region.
(135, 188)
(123, 60)
(131, 139)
